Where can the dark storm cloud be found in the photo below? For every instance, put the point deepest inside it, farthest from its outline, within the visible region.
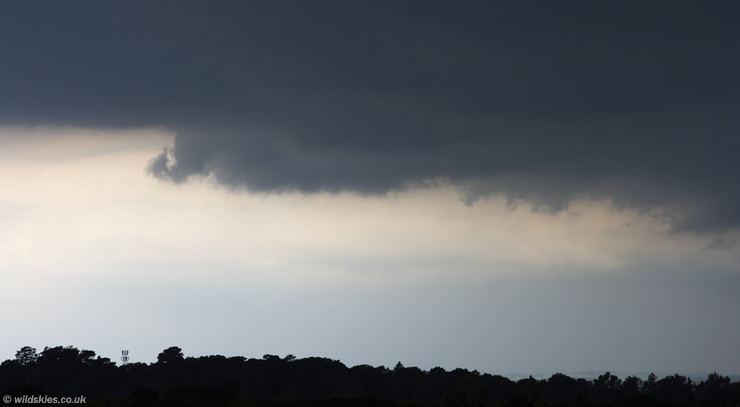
(542, 101)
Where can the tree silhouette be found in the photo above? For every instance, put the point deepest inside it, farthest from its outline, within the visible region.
(26, 355)
(170, 355)
(215, 380)
(716, 388)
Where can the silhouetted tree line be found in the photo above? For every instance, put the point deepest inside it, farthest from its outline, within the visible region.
(175, 380)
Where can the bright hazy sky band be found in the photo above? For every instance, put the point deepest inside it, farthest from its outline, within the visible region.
(95, 252)
(515, 188)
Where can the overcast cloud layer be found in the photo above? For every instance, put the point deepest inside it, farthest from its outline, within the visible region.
(636, 102)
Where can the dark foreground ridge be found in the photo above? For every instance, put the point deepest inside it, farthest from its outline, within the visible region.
(174, 380)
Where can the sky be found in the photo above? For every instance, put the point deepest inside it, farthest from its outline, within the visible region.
(524, 188)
